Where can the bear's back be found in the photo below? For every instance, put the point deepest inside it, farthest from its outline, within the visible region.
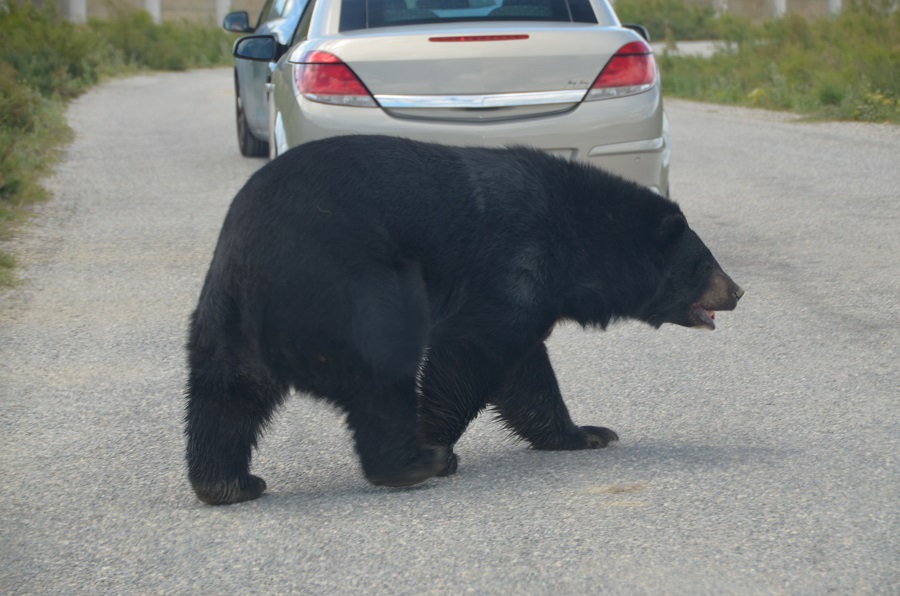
(417, 199)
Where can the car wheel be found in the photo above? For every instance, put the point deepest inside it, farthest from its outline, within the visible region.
(250, 145)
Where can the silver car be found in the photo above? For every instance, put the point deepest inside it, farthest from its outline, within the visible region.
(561, 75)
(279, 19)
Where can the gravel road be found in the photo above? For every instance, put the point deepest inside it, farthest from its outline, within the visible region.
(760, 458)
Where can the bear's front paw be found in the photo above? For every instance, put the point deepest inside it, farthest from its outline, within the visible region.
(597, 437)
(228, 492)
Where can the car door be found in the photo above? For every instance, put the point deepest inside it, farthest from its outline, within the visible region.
(284, 90)
(279, 19)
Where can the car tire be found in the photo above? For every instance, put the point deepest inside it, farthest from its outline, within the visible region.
(250, 145)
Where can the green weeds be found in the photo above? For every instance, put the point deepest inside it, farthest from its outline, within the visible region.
(845, 67)
(669, 19)
(45, 61)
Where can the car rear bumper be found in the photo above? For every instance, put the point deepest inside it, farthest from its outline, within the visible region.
(627, 136)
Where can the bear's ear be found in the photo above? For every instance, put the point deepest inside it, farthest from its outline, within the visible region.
(670, 230)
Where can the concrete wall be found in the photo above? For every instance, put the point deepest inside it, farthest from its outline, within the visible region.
(813, 8)
(760, 10)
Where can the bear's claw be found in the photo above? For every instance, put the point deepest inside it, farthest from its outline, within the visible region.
(598, 437)
(451, 466)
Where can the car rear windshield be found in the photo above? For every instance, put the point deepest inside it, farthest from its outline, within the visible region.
(368, 14)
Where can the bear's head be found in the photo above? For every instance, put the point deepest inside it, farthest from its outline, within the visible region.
(694, 285)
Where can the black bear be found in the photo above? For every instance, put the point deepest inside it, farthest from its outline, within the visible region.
(414, 284)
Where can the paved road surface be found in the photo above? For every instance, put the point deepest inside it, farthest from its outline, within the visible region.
(760, 458)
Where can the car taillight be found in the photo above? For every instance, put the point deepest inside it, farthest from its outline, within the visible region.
(632, 70)
(323, 77)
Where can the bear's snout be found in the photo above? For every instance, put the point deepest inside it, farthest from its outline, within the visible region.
(721, 293)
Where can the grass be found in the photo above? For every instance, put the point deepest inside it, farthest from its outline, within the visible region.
(670, 19)
(45, 61)
(845, 67)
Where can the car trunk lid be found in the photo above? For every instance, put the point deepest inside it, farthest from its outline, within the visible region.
(477, 71)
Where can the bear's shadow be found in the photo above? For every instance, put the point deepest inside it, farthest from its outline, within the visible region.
(510, 465)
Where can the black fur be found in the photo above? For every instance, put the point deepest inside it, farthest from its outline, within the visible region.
(413, 284)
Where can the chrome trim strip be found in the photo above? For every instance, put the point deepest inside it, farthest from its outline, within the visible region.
(647, 146)
(498, 100)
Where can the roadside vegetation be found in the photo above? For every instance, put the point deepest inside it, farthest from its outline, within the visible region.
(670, 19)
(45, 61)
(844, 67)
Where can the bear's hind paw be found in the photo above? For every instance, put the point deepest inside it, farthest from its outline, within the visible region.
(430, 462)
(228, 492)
